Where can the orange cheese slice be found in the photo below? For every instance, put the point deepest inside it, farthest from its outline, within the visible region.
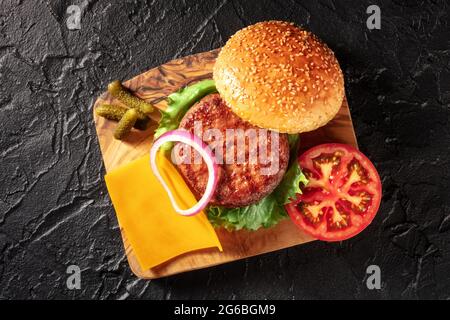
(155, 231)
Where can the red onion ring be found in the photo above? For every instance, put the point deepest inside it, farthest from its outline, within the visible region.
(206, 153)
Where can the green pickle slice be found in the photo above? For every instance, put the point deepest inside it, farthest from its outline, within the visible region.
(118, 91)
(115, 113)
(125, 124)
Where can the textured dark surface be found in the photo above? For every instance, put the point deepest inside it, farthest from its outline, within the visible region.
(54, 208)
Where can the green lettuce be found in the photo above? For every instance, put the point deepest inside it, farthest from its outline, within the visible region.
(268, 211)
(179, 103)
(265, 213)
(293, 178)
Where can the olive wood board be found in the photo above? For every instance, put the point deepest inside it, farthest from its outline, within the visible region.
(154, 86)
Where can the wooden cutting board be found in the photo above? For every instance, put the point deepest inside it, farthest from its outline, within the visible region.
(153, 86)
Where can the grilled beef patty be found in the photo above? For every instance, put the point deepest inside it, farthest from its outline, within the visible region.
(240, 184)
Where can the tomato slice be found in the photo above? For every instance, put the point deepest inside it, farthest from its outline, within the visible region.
(343, 194)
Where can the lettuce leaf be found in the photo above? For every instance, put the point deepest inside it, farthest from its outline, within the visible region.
(179, 103)
(268, 211)
(294, 143)
(265, 213)
(294, 178)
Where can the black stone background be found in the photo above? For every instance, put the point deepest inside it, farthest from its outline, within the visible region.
(54, 207)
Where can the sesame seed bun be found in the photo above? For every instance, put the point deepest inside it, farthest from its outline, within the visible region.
(280, 77)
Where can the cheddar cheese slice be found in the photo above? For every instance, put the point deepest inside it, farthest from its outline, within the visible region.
(155, 231)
